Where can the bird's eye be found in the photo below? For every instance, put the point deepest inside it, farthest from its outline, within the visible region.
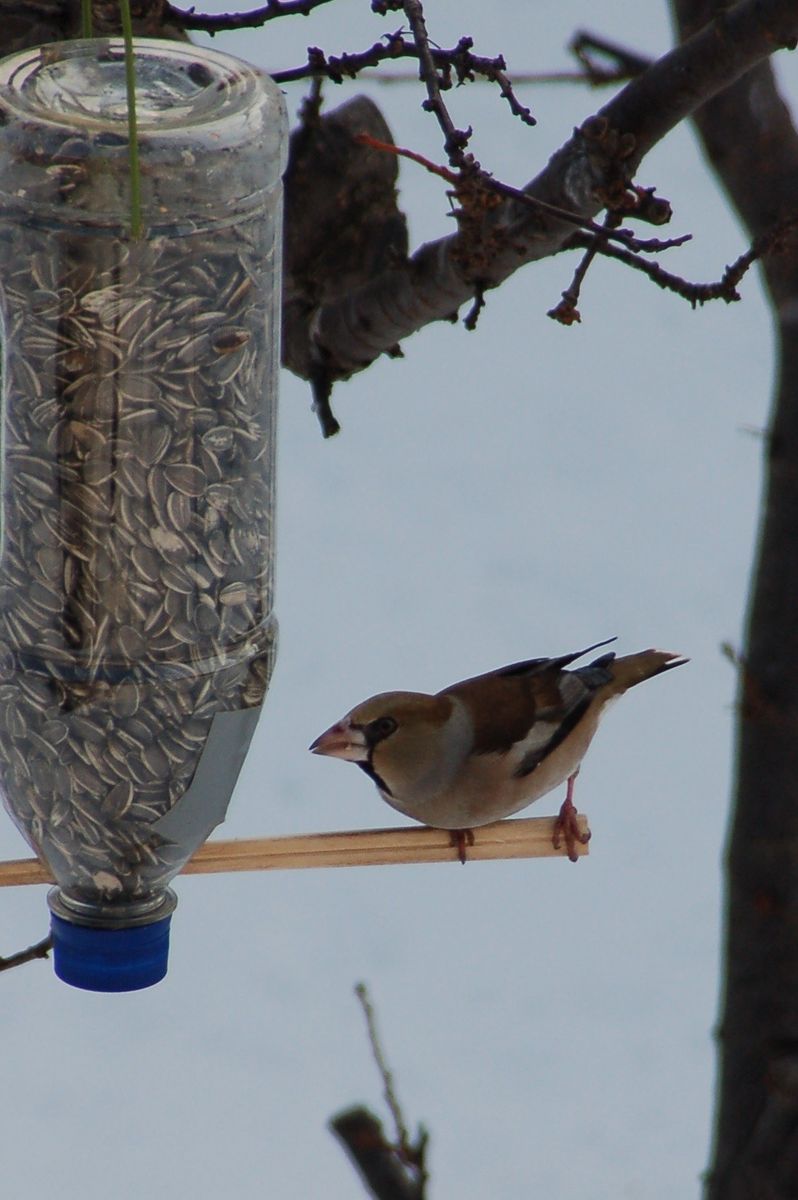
(380, 728)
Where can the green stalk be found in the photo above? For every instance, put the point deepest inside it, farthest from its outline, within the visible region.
(86, 25)
(132, 132)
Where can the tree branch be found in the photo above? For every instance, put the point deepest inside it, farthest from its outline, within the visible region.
(39, 950)
(213, 23)
(402, 1136)
(589, 49)
(377, 1162)
(591, 169)
(697, 294)
(390, 1170)
(458, 64)
(455, 140)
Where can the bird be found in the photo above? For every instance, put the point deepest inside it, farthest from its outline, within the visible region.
(487, 747)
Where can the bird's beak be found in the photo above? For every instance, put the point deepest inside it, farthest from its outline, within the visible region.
(341, 740)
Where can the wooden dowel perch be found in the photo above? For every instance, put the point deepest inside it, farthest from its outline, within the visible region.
(529, 837)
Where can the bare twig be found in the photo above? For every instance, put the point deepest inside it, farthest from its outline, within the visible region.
(39, 950)
(402, 1136)
(457, 64)
(472, 316)
(587, 48)
(470, 184)
(583, 176)
(624, 64)
(391, 1170)
(455, 140)
(519, 77)
(321, 386)
(310, 109)
(494, 71)
(451, 177)
(697, 293)
(464, 187)
(566, 311)
(218, 22)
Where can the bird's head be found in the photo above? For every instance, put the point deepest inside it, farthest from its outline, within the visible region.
(407, 742)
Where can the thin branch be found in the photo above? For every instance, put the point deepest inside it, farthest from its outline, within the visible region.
(566, 311)
(339, 67)
(472, 316)
(698, 293)
(451, 177)
(582, 176)
(644, 203)
(391, 1170)
(625, 236)
(217, 23)
(494, 71)
(587, 48)
(402, 1136)
(321, 386)
(469, 186)
(455, 140)
(519, 77)
(624, 63)
(458, 63)
(464, 185)
(39, 950)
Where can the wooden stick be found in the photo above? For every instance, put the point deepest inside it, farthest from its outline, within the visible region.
(529, 837)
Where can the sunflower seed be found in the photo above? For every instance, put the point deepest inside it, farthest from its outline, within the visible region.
(185, 478)
(135, 419)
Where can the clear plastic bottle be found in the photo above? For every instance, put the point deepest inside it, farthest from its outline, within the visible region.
(136, 472)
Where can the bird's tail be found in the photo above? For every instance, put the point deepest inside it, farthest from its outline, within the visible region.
(562, 660)
(634, 668)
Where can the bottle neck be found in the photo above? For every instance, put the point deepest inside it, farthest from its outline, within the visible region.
(69, 906)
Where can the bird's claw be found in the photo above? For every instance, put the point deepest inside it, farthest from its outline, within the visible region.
(460, 839)
(566, 828)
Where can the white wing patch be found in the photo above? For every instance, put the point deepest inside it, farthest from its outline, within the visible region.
(527, 754)
(536, 741)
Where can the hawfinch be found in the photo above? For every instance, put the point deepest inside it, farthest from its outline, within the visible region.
(483, 749)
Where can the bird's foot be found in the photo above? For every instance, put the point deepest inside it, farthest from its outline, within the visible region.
(566, 828)
(460, 839)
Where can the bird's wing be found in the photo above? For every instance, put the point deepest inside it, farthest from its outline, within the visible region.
(528, 708)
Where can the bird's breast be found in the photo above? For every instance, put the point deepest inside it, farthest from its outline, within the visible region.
(486, 788)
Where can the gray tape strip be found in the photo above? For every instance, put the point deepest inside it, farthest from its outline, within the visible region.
(204, 804)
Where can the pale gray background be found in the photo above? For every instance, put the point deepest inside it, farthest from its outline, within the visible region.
(517, 492)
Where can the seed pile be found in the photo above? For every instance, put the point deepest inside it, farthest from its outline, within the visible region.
(136, 557)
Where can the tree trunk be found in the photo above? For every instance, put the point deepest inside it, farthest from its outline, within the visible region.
(752, 145)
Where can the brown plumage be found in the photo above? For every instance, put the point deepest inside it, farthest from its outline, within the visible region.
(487, 747)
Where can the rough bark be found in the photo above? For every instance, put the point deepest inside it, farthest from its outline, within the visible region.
(752, 144)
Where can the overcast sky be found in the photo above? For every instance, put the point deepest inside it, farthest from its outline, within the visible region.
(517, 492)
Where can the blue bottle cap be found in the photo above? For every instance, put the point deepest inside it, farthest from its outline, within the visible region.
(110, 960)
